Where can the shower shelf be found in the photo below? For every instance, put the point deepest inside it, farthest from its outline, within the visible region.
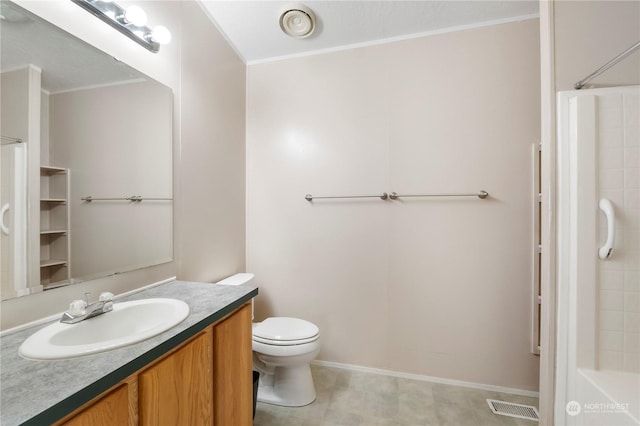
(52, 231)
(45, 263)
(52, 170)
(55, 252)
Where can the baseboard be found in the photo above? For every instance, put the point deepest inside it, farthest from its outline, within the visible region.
(423, 378)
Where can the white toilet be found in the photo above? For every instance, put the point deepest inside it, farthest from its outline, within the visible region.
(283, 348)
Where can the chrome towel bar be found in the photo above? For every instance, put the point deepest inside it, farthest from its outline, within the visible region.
(382, 196)
(395, 196)
(481, 194)
(89, 199)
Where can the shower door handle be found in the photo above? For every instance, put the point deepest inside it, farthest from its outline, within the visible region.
(3, 226)
(607, 208)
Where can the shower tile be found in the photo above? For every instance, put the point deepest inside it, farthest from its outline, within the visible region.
(610, 100)
(632, 281)
(610, 360)
(632, 302)
(631, 218)
(611, 280)
(632, 241)
(612, 341)
(616, 196)
(632, 362)
(613, 137)
(632, 116)
(632, 342)
(612, 179)
(630, 136)
(611, 300)
(632, 198)
(631, 157)
(632, 261)
(631, 178)
(611, 158)
(631, 101)
(611, 320)
(631, 322)
(611, 117)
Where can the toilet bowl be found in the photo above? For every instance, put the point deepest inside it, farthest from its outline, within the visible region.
(283, 349)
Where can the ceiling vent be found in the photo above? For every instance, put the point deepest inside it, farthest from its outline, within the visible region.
(298, 21)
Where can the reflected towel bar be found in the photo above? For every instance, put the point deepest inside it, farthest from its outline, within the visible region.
(481, 195)
(136, 198)
(382, 196)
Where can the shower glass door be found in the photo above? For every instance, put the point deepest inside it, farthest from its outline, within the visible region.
(598, 362)
(13, 219)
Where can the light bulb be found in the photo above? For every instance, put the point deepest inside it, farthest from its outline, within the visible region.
(136, 16)
(161, 34)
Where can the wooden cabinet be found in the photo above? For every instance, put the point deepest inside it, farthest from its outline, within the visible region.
(117, 407)
(178, 389)
(232, 370)
(205, 381)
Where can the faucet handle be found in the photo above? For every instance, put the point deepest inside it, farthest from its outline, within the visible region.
(106, 296)
(77, 307)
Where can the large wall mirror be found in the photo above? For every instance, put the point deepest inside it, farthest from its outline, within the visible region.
(86, 161)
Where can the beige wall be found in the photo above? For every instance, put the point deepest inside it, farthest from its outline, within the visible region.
(590, 33)
(128, 153)
(438, 287)
(212, 188)
(199, 136)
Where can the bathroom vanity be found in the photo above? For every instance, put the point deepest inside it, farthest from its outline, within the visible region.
(198, 372)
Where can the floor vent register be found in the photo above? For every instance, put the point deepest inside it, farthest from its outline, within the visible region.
(513, 410)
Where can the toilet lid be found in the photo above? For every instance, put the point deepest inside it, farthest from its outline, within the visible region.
(284, 329)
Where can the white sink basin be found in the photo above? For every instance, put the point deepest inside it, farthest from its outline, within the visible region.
(128, 323)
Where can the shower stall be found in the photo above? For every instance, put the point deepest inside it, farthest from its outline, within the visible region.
(598, 257)
(13, 217)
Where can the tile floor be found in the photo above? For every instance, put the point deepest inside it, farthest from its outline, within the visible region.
(348, 397)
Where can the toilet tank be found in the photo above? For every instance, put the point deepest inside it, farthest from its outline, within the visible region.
(237, 279)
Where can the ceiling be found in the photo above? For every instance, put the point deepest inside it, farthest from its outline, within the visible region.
(252, 27)
(67, 63)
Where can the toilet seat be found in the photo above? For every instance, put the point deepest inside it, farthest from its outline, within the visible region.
(285, 331)
(286, 342)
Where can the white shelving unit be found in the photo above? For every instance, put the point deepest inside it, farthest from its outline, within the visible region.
(55, 247)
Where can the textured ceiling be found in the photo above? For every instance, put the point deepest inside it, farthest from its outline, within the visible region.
(67, 63)
(252, 26)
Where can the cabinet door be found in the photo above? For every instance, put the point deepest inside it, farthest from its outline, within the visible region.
(178, 389)
(232, 365)
(112, 409)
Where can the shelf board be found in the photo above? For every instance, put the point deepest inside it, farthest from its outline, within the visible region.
(49, 286)
(52, 170)
(53, 200)
(45, 263)
(53, 231)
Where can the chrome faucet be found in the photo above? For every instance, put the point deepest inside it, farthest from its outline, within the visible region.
(80, 310)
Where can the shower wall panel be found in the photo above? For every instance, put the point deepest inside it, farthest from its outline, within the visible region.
(619, 278)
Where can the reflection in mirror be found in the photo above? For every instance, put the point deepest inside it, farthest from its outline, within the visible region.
(88, 192)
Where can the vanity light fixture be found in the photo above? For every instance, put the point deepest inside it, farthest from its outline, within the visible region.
(130, 22)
